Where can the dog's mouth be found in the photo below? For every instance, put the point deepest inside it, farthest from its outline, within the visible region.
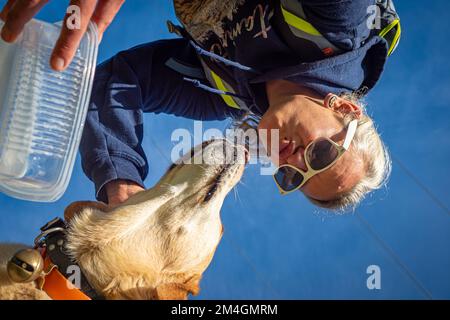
(228, 174)
(215, 184)
(224, 173)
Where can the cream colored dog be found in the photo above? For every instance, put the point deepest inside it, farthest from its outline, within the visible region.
(158, 243)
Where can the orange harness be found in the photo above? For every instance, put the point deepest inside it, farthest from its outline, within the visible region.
(54, 280)
(56, 285)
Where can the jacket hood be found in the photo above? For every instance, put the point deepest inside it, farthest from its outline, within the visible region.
(346, 72)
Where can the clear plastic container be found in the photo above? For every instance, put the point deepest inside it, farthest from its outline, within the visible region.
(42, 112)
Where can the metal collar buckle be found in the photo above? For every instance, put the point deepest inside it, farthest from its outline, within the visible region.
(56, 225)
(38, 242)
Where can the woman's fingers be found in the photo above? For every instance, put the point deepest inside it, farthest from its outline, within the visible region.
(105, 13)
(6, 8)
(16, 14)
(119, 191)
(71, 35)
(101, 12)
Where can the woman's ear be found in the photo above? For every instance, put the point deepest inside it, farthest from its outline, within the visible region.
(342, 106)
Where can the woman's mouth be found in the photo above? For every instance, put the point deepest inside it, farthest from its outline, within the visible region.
(287, 148)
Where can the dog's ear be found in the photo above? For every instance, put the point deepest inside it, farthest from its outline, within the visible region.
(138, 293)
(178, 291)
(77, 207)
(171, 291)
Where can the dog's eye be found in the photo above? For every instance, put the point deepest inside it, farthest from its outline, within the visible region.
(210, 193)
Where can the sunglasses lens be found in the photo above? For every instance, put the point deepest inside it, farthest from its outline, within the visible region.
(321, 154)
(288, 179)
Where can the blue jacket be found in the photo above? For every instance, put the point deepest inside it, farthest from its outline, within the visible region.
(142, 80)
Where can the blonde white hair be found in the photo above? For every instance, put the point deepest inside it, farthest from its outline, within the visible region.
(368, 145)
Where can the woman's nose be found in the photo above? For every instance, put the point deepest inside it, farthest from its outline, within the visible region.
(298, 159)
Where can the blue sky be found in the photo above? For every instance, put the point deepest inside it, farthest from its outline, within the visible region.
(282, 247)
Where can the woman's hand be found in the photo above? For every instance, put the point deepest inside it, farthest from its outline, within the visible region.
(16, 13)
(118, 191)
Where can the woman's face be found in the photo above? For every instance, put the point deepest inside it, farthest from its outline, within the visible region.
(301, 116)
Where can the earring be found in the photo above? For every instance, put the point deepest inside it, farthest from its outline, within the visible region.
(332, 101)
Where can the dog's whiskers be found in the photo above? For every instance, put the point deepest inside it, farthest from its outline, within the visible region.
(242, 183)
(236, 195)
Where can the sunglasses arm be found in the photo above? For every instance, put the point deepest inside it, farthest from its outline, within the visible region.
(350, 134)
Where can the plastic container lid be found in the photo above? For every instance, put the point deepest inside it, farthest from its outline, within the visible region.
(42, 112)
